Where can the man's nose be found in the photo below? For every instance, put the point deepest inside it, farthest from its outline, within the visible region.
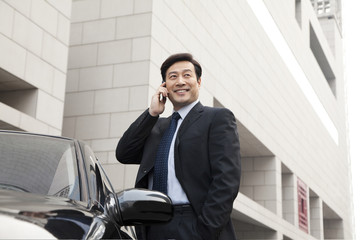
(180, 81)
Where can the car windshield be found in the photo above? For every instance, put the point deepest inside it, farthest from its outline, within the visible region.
(38, 164)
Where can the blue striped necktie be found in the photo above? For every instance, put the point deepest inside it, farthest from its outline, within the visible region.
(162, 155)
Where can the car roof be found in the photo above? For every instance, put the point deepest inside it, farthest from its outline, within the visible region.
(34, 134)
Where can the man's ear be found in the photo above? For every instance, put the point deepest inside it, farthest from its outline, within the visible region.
(199, 81)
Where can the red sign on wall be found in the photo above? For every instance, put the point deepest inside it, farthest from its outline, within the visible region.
(302, 205)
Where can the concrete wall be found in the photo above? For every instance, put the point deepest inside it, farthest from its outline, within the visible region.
(34, 37)
(108, 76)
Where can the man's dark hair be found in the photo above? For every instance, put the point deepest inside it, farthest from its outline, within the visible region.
(178, 58)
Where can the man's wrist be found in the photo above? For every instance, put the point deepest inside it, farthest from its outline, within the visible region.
(152, 113)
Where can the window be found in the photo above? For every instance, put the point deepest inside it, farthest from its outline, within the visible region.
(322, 60)
(321, 6)
(39, 164)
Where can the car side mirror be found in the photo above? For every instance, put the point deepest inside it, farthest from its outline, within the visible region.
(143, 206)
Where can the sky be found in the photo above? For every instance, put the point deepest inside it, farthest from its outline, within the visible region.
(351, 40)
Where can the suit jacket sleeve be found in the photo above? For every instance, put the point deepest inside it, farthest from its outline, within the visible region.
(224, 158)
(130, 147)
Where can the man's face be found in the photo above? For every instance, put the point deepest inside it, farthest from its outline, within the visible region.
(182, 85)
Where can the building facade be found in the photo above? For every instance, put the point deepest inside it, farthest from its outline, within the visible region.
(276, 64)
(34, 38)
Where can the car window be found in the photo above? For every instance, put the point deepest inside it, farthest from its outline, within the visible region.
(38, 164)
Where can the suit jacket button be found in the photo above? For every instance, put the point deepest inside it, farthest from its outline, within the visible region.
(144, 171)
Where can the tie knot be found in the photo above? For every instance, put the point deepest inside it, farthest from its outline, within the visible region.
(176, 116)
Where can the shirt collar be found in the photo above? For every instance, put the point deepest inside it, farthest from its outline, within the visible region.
(186, 109)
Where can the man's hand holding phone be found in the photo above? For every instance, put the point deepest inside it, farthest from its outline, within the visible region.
(158, 101)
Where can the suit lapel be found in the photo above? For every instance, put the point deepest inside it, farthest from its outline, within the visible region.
(194, 114)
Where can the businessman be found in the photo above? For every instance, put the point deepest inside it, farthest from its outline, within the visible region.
(193, 156)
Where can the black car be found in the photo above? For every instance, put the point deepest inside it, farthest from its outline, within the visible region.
(54, 187)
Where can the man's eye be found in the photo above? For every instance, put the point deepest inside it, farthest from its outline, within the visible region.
(172, 76)
(187, 75)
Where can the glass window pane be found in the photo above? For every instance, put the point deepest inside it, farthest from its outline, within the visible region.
(40, 165)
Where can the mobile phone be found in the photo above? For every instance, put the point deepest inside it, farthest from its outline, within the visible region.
(161, 96)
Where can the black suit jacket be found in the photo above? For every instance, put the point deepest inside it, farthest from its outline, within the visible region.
(207, 162)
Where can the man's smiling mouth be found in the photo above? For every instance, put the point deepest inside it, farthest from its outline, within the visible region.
(181, 90)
